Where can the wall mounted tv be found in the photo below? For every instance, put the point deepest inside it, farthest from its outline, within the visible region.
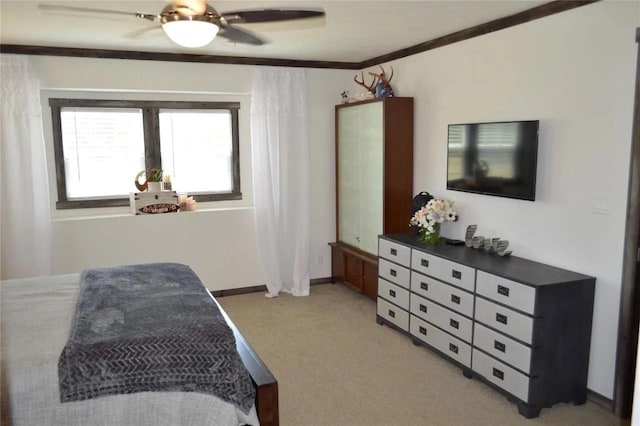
(494, 158)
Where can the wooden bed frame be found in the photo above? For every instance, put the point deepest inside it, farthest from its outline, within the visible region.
(265, 383)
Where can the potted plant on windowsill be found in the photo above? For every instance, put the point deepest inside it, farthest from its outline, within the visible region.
(153, 181)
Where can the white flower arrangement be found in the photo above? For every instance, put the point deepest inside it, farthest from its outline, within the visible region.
(187, 204)
(429, 218)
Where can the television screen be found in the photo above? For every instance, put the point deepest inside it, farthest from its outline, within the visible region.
(494, 158)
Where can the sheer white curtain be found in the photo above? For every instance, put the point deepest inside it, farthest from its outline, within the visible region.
(280, 152)
(25, 231)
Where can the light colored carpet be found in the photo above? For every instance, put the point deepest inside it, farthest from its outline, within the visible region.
(336, 366)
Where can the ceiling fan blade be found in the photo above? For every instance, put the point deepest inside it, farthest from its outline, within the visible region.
(55, 7)
(270, 15)
(238, 35)
(143, 32)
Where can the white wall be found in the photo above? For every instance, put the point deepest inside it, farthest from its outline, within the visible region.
(635, 415)
(574, 72)
(218, 240)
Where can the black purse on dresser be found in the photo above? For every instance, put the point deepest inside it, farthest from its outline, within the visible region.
(418, 202)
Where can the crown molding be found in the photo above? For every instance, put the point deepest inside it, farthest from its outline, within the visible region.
(528, 15)
(21, 49)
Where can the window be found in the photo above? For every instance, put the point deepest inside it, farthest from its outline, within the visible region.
(101, 145)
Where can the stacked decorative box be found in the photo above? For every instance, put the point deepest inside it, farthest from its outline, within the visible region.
(154, 202)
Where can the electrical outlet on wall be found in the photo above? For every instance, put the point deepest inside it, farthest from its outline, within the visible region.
(319, 259)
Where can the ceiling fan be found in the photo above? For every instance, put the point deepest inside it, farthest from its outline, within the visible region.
(194, 23)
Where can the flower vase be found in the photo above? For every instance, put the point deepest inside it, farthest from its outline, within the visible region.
(430, 237)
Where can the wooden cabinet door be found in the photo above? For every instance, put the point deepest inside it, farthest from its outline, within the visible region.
(370, 280)
(353, 271)
(337, 264)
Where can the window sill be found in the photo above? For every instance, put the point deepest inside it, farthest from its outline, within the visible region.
(121, 215)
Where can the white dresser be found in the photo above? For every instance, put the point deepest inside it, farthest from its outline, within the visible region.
(393, 283)
(521, 326)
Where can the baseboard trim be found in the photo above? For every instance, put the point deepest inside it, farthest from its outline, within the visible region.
(325, 280)
(259, 288)
(238, 291)
(600, 400)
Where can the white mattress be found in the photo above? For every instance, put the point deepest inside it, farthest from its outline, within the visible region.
(35, 317)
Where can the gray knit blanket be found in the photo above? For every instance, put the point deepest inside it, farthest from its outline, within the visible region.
(151, 327)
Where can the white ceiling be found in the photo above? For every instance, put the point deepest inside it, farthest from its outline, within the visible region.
(351, 31)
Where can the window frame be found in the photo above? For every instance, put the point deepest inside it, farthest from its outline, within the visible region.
(151, 134)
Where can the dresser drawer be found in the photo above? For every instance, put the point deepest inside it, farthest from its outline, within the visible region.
(393, 293)
(447, 320)
(425, 263)
(501, 375)
(500, 346)
(511, 293)
(395, 252)
(448, 345)
(505, 320)
(445, 294)
(393, 272)
(458, 275)
(393, 314)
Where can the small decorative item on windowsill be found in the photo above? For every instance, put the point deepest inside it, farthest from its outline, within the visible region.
(143, 203)
(154, 186)
(153, 181)
(187, 204)
(430, 218)
(166, 183)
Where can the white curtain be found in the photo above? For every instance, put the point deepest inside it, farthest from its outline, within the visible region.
(280, 152)
(25, 232)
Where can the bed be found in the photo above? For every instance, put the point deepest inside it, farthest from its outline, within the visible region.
(36, 315)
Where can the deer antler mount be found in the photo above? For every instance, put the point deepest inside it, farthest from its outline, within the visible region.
(369, 87)
(380, 87)
(383, 86)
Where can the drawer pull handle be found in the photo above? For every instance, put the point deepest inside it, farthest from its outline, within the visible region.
(499, 374)
(503, 290)
(392, 293)
(501, 318)
(499, 346)
(424, 286)
(456, 274)
(423, 308)
(423, 331)
(455, 299)
(392, 314)
(453, 348)
(393, 272)
(453, 323)
(424, 262)
(394, 252)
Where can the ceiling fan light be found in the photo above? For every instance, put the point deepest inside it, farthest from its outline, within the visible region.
(190, 33)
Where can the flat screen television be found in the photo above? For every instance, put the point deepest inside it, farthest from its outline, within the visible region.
(494, 158)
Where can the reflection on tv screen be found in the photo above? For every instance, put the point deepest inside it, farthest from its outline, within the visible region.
(493, 158)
